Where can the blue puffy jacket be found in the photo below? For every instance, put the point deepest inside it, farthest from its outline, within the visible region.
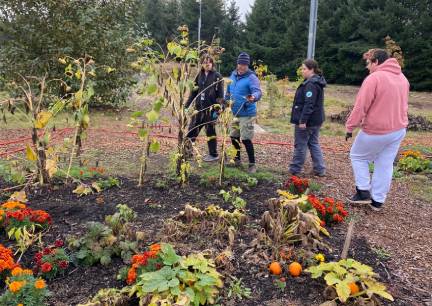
(240, 87)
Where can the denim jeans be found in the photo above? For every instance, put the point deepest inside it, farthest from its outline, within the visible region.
(304, 139)
(382, 151)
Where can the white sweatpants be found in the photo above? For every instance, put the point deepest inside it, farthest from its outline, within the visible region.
(382, 151)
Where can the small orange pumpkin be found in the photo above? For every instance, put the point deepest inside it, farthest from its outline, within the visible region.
(295, 269)
(354, 288)
(275, 268)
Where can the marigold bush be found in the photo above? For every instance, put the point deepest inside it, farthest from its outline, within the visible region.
(51, 261)
(296, 185)
(24, 289)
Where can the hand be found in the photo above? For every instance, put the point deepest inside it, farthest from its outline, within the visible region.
(348, 135)
(250, 98)
(302, 125)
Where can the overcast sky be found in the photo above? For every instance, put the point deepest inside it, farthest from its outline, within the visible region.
(244, 6)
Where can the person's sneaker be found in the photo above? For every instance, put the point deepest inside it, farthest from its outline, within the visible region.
(361, 197)
(252, 168)
(210, 158)
(376, 206)
(237, 163)
(293, 173)
(320, 174)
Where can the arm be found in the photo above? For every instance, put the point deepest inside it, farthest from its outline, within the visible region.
(255, 88)
(364, 99)
(311, 96)
(193, 93)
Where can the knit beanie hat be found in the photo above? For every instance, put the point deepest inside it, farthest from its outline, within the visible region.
(243, 59)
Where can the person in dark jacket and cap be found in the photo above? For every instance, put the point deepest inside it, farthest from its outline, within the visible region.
(308, 115)
(244, 91)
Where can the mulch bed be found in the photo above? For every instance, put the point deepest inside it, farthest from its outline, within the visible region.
(154, 205)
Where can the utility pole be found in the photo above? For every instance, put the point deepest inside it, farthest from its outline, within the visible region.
(312, 28)
(199, 25)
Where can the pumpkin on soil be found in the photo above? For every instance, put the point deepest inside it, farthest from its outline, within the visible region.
(295, 269)
(275, 268)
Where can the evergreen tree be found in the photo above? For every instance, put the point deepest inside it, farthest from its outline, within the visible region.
(212, 18)
(231, 37)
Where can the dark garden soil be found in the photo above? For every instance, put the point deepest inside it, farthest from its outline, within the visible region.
(154, 205)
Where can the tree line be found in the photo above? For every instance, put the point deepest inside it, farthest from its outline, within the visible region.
(34, 34)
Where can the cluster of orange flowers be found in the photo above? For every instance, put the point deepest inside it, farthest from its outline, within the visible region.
(328, 210)
(16, 285)
(8, 265)
(142, 260)
(7, 262)
(296, 185)
(412, 153)
(18, 211)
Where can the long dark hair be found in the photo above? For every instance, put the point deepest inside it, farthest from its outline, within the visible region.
(313, 65)
(205, 58)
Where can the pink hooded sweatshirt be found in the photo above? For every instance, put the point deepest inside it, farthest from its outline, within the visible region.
(381, 106)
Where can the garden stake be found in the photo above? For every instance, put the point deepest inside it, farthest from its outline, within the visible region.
(348, 239)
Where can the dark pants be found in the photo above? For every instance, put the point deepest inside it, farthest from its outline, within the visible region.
(304, 139)
(200, 120)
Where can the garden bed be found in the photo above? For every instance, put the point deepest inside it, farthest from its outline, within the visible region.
(155, 203)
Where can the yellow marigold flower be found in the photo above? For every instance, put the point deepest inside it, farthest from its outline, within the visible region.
(20, 305)
(320, 257)
(17, 271)
(16, 286)
(13, 205)
(40, 284)
(27, 272)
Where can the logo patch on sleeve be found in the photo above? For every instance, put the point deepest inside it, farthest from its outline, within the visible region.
(309, 94)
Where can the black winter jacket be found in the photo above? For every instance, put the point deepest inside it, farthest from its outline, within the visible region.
(308, 106)
(211, 95)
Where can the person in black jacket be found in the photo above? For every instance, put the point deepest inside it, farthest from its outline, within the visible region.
(208, 91)
(308, 116)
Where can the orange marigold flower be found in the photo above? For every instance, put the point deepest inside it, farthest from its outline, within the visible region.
(13, 205)
(40, 284)
(17, 271)
(20, 305)
(27, 272)
(16, 286)
(131, 277)
(155, 247)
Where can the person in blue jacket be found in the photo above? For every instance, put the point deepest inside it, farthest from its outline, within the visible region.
(308, 115)
(244, 91)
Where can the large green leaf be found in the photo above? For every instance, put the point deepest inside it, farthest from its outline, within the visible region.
(143, 133)
(168, 254)
(154, 146)
(332, 279)
(152, 116)
(343, 291)
(137, 114)
(159, 281)
(375, 287)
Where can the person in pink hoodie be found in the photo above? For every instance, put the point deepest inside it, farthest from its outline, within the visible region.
(381, 112)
